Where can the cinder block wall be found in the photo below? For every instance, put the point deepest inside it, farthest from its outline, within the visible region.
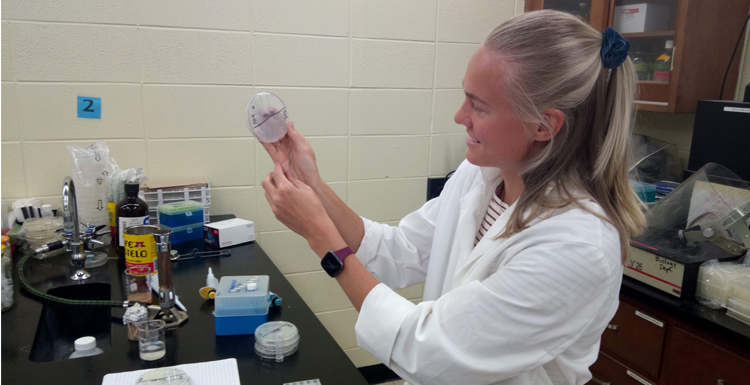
(372, 84)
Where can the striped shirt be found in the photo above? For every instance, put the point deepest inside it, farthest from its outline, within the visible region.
(497, 208)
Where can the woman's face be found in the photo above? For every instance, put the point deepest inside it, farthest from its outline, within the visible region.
(497, 137)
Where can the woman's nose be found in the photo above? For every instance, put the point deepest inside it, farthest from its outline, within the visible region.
(461, 117)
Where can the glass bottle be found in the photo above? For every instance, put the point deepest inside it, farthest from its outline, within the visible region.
(130, 211)
(663, 64)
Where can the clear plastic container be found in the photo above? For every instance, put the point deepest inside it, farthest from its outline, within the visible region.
(164, 376)
(715, 280)
(85, 347)
(180, 214)
(267, 117)
(234, 298)
(185, 233)
(276, 340)
(738, 299)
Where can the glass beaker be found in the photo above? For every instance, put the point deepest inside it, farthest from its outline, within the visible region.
(151, 343)
(138, 284)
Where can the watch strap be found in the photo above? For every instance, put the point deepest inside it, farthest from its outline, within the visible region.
(343, 253)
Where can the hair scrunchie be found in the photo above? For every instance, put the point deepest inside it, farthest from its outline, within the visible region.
(614, 48)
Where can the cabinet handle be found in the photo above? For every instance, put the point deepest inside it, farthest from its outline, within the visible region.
(671, 68)
(599, 382)
(612, 327)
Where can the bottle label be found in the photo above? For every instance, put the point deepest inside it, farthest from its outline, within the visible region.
(112, 224)
(127, 222)
(661, 76)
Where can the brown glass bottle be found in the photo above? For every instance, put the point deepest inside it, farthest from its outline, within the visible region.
(130, 211)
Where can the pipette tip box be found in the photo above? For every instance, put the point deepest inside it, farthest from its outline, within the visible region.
(241, 304)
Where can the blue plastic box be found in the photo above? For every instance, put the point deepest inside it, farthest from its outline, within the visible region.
(240, 308)
(236, 325)
(180, 214)
(645, 191)
(185, 233)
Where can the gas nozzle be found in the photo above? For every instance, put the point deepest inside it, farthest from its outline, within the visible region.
(51, 247)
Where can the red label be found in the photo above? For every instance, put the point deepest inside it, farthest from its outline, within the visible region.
(661, 75)
(634, 10)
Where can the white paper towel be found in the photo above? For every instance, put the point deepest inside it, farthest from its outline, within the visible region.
(223, 372)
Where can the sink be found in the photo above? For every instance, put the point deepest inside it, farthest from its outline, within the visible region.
(60, 325)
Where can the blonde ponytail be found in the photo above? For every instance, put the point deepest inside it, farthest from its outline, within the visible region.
(553, 61)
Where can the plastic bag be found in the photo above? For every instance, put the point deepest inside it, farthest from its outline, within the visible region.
(118, 179)
(91, 168)
(653, 161)
(37, 232)
(6, 283)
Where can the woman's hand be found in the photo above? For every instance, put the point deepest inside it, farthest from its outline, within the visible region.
(296, 157)
(295, 205)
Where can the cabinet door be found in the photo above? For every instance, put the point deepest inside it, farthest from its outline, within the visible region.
(608, 371)
(650, 27)
(637, 337)
(693, 360)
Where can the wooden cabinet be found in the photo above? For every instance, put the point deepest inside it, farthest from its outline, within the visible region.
(608, 371)
(703, 35)
(692, 360)
(647, 344)
(637, 337)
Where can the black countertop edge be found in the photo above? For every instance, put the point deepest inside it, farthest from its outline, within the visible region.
(714, 320)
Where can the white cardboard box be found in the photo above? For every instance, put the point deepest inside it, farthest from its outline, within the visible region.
(229, 232)
(642, 17)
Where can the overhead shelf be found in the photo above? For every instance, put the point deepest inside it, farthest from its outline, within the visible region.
(648, 34)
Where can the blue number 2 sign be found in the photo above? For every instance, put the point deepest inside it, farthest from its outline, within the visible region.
(90, 108)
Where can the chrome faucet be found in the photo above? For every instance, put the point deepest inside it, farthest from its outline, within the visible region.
(75, 242)
(72, 232)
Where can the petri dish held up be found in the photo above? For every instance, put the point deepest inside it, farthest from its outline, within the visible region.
(267, 117)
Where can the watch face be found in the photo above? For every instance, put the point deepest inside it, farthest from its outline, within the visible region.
(331, 264)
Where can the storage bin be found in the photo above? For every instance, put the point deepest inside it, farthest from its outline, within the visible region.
(644, 17)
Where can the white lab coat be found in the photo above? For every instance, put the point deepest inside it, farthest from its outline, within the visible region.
(529, 309)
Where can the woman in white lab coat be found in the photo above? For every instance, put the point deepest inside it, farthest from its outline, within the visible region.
(522, 253)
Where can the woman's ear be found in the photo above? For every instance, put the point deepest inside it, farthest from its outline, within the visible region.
(555, 120)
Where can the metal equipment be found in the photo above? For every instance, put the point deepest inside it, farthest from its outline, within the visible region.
(75, 242)
(168, 312)
(705, 218)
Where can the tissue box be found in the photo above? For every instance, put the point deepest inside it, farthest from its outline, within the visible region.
(641, 18)
(229, 232)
